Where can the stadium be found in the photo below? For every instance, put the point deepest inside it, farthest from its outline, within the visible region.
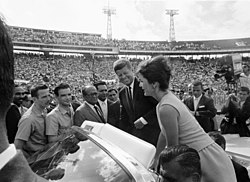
(77, 69)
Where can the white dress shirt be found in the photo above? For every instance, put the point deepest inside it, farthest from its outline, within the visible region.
(196, 101)
(104, 107)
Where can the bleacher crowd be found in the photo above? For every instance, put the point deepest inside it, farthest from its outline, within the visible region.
(22, 34)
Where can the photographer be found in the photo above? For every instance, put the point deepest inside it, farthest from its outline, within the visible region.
(237, 112)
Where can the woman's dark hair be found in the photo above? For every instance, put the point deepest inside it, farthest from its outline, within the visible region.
(156, 70)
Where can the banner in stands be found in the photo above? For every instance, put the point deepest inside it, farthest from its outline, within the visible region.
(237, 63)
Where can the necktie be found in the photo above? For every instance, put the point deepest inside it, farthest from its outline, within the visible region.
(130, 93)
(130, 99)
(99, 112)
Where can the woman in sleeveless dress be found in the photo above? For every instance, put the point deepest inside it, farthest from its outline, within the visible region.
(179, 126)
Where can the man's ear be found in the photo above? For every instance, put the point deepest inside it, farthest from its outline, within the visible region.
(155, 84)
(196, 177)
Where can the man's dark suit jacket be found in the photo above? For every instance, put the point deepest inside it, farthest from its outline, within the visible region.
(242, 114)
(114, 113)
(241, 172)
(142, 106)
(12, 118)
(85, 112)
(206, 110)
(18, 170)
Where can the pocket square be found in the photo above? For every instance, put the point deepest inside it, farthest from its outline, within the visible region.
(201, 106)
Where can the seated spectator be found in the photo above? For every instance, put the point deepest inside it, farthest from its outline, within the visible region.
(179, 163)
(241, 171)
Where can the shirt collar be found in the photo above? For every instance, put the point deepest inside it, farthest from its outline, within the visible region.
(101, 102)
(63, 110)
(132, 85)
(90, 105)
(198, 97)
(37, 111)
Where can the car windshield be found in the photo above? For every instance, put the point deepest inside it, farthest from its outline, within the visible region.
(82, 161)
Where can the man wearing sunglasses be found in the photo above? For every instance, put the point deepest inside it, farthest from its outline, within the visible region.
(90, 109)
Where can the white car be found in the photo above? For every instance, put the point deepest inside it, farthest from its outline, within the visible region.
(97, 153)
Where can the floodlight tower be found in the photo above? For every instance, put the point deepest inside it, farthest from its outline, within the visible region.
(171, 12)
(109, 11)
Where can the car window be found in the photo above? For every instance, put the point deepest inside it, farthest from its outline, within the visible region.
(84, 161)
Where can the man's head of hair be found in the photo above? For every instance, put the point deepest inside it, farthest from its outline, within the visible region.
(197, 83)
(121, 63)
(6, 69)
(113, 89)
(245, 89)
(59, 87)
(34, 90)
(187, 158)
(96, 84)
(218, 138)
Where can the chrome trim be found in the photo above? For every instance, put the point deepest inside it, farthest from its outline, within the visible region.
(129, 164)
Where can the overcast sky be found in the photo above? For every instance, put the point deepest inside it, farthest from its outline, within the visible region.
(134, 19)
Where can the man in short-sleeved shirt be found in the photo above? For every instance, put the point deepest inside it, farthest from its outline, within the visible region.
(60, 119)
(31, 136)
(31, 129)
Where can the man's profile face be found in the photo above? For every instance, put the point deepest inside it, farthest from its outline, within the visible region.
(197, 91)
(125, 75)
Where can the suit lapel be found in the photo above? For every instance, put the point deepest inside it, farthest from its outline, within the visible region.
(201, 101)
(191, 103)
(91, 112)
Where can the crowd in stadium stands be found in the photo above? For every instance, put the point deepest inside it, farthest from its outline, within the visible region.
(21, 34)
(79, 70)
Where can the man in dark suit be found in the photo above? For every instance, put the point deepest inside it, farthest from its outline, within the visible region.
(138, 112)
(241, 108)
(240, 171)
(89, 110)
(13, 167)
(110, 110)
(15, 112)
(202, 107)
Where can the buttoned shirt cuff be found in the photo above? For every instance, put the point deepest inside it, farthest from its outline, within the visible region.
(7, 155)
(143, 121)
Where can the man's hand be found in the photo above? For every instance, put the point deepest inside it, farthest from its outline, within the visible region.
(197, 113)
(192, 112)
(138, 124)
